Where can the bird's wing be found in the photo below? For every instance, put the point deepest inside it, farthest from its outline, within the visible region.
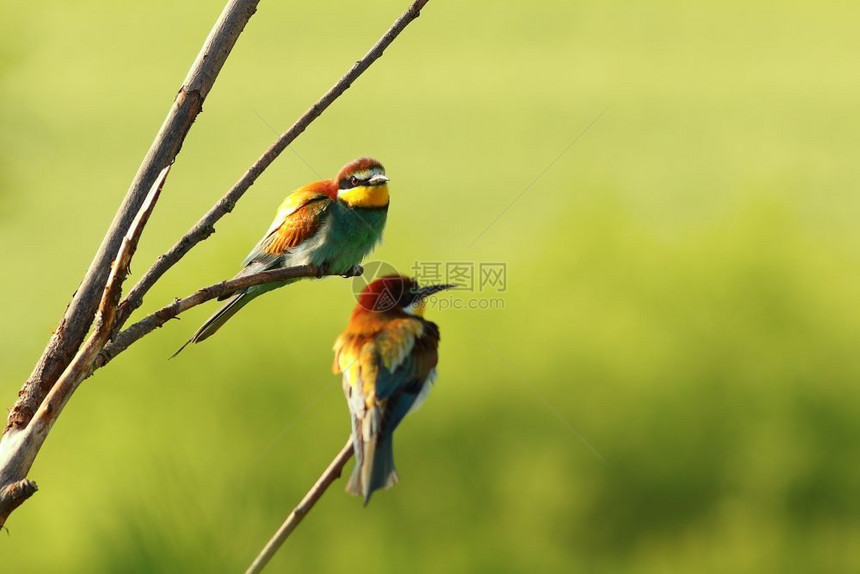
(354, 356)
(407, 349)
(404, 352)
(298, 219)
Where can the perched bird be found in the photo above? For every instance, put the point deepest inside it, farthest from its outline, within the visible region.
(387, 355)
(332, 224)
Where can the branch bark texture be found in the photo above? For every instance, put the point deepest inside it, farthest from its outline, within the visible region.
(19, 449)
(79, 315)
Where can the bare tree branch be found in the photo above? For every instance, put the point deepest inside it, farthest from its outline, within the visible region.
(17, 460)
(155, 320)
(206, 225)
(328, 476)
(79, 315)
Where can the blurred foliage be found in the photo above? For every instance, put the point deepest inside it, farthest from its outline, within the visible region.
(683, 286)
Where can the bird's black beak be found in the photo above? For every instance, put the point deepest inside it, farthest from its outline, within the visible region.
(425, 292)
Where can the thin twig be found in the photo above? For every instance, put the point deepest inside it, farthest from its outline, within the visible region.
(206, 225)
(21, 449)
(155, 320)
(72, 329)
(328, 476)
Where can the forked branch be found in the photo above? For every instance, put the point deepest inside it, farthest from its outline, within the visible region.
(69, 358)
(20, 449)
(76, 321)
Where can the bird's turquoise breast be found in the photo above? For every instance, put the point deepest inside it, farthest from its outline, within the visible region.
(353, 233)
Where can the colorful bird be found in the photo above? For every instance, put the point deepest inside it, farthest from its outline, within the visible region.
(387, 355)
(332, 224)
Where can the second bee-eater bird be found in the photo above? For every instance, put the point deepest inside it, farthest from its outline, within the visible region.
(387, 354)
(332, 224)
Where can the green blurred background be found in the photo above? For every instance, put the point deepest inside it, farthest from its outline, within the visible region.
(683, 286)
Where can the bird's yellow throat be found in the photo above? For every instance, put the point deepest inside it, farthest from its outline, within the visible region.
(369, 196)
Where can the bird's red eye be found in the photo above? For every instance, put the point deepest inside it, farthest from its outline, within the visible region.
(353, 181)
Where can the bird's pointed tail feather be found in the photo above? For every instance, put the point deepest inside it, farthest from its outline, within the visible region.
(216, 321)
(374, 462)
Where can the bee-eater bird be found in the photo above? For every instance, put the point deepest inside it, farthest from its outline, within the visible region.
(332, 224)
(388, 355)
